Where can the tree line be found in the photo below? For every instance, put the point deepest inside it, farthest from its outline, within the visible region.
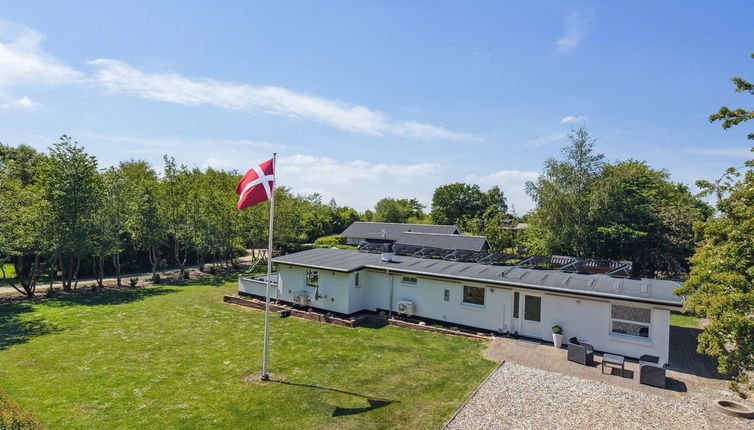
(61, 213)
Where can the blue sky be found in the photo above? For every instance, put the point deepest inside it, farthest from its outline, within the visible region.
(367, 99)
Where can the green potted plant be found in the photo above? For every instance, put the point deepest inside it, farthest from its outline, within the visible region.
(557, 336)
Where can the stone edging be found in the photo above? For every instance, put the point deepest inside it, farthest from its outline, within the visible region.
(353, 322)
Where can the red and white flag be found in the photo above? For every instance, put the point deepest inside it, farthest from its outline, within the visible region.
(256, 185)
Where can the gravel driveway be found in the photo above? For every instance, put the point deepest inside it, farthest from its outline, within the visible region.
(517, 397)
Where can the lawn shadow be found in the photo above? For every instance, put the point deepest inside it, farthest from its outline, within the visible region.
(374, 402)
(373, 323)
(16, 329)
(214, 280)
(110, 297)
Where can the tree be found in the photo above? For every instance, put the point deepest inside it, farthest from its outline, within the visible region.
(22, 217)
(737, 116)
(720, 286)
(175, 207)
(398, 210)
(561, 223)
(452, 203)
(72, 188)
(638, 214)
(109, 224)
(143, 220)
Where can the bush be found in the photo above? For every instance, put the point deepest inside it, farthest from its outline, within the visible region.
(156, 278)
(212, 269)
(13, 418)
(186, 275)
(133, 282)
(50, 293)
(329, 241)
(557, 329)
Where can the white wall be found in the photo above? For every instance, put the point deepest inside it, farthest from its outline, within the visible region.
(428, 298)
(587, 319)
(333, 288)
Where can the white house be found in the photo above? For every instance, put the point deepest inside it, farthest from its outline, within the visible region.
(626, 316)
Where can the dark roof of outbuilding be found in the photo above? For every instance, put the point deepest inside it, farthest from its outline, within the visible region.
(654, 291)
(444, 241)
(392, 231)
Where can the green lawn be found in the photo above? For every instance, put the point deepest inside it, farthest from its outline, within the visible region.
(177, 357)
(682, 320)
(10, 272)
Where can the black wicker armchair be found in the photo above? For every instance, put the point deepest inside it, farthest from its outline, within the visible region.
(580, 352)
(650, 372)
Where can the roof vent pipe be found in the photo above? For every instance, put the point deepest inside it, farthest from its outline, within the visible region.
(387, 253)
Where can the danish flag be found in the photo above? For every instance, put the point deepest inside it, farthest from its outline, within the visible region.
(256, 185)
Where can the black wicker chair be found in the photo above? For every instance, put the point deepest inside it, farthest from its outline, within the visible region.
(650, 372)
(580, 352)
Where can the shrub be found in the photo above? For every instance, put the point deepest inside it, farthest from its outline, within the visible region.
(13, 418)
(133, 282)
(212, 269)
(329, 241)
(50, 293)
(186, 275)
(557, 329)
(156, 278)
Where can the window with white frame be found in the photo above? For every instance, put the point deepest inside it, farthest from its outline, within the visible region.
(630, 320)
(410, 280)
(312, 278)
(473, 295)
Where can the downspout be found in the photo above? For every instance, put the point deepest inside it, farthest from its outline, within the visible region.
(390, 305)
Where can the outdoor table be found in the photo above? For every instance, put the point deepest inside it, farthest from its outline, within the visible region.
(614, 359)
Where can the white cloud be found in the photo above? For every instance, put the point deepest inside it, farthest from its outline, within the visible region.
(512, 183)
(569, 119)
(22, 103)
(323, 170)
(24, 62)
(576, 24)
(118, 77)
(544, 140)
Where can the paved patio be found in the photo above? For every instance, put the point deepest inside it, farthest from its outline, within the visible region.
(692, 380)
(688, 372)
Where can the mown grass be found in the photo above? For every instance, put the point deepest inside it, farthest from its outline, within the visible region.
(177, 357)
(683, 320)
(10, 273)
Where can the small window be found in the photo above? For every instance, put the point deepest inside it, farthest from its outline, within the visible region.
(446, 297)
(473, 295)
(312, 278)
(356, 279)
(516, 298)
(409, 280)
(630, 320)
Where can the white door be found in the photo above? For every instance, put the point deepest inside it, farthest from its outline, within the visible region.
(527, 314)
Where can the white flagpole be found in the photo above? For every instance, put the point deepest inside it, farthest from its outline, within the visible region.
(265, 376)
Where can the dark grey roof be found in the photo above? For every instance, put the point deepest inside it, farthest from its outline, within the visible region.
(392, 231)
(444, 241)
(655, 291)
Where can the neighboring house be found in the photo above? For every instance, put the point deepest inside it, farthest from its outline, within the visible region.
(625, 316)
(389, 232)
(444, 241)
